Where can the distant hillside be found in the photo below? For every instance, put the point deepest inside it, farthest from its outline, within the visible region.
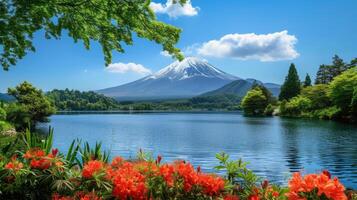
(74, 100)
(241, 87)
(6, 97)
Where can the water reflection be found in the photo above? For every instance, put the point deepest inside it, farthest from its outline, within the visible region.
(274, 147)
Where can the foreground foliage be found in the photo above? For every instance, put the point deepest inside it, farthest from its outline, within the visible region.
(109, 22)
(37, 171)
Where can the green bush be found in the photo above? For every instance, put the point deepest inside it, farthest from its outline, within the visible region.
(269, 110)
(327, 113)
(2, 114)
(4, 126)
(354, 102)
(342, 89)
(296, 106)
(318, 94)
(254, 102)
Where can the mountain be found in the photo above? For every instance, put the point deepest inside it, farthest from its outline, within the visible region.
(188, 78)
(5, 97)
(241, 87)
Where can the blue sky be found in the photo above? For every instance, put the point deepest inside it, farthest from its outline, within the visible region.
(321, 28)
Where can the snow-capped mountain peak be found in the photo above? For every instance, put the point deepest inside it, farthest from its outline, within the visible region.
(190, 67)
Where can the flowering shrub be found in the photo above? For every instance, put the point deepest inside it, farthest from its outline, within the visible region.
(315, 186)
(40, 175)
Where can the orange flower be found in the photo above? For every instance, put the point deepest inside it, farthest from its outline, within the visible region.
(14, 165)
(188, 174)
(167, 172)
(117, 162)
(332, 189)
(212, 185)
(128, 183)
(92, 168)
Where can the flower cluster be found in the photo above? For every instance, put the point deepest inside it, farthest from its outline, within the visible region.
(316, 186)
(146, 179)
(130, 180)
(39, 160)
(77, 196)
(92, 168)
(14, 164)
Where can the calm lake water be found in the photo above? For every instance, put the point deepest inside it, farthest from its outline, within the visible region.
(274, 147)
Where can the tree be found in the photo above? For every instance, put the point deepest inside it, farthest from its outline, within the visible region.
(323, 75)
(327, 73)
(2, 114)
(109, 22)
(318, 94)
(268, 95)
(354, 102)
(254, 102)
(307, 81)
(32, 103)
(291, 86)
(353, 63)
(342, 88)
(295, 107)
(339, 65)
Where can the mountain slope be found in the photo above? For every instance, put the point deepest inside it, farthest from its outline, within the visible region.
(6, 97)
(241, 87)
(188, 78)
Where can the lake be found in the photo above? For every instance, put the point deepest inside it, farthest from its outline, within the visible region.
(275, 147)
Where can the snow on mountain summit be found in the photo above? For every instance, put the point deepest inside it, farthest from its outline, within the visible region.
(191, 67)
(185, 79)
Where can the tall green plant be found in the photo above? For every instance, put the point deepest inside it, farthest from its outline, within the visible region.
(291, 87)
(88, 153)
(33, 140)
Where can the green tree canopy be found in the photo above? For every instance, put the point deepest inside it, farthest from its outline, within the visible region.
(291, 86)
(77, 100)
(327, 73)
(254, 102)
(342, 89)
(307, 81)
(109, 22)
(354, 102)
(318, 94)
(2, 114)
(296, 106)
(32, 103)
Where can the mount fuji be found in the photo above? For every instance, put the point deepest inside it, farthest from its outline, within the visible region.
(188, 78)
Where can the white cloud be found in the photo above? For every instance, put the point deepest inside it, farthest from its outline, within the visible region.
(127, 67)
(264, 47)
(165, 53)
(174, 10)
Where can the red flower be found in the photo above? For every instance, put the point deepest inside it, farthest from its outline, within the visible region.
(188, 174)
(212, 185)
(158, 159)
(14, 165)
(327, 173)
(92, 168)
(117, 162)
(128, 183)
(265, 184)
(332, 189)
(54, 152)
(41, 163)
(253, 197)
(231, 197)
(167, 172)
